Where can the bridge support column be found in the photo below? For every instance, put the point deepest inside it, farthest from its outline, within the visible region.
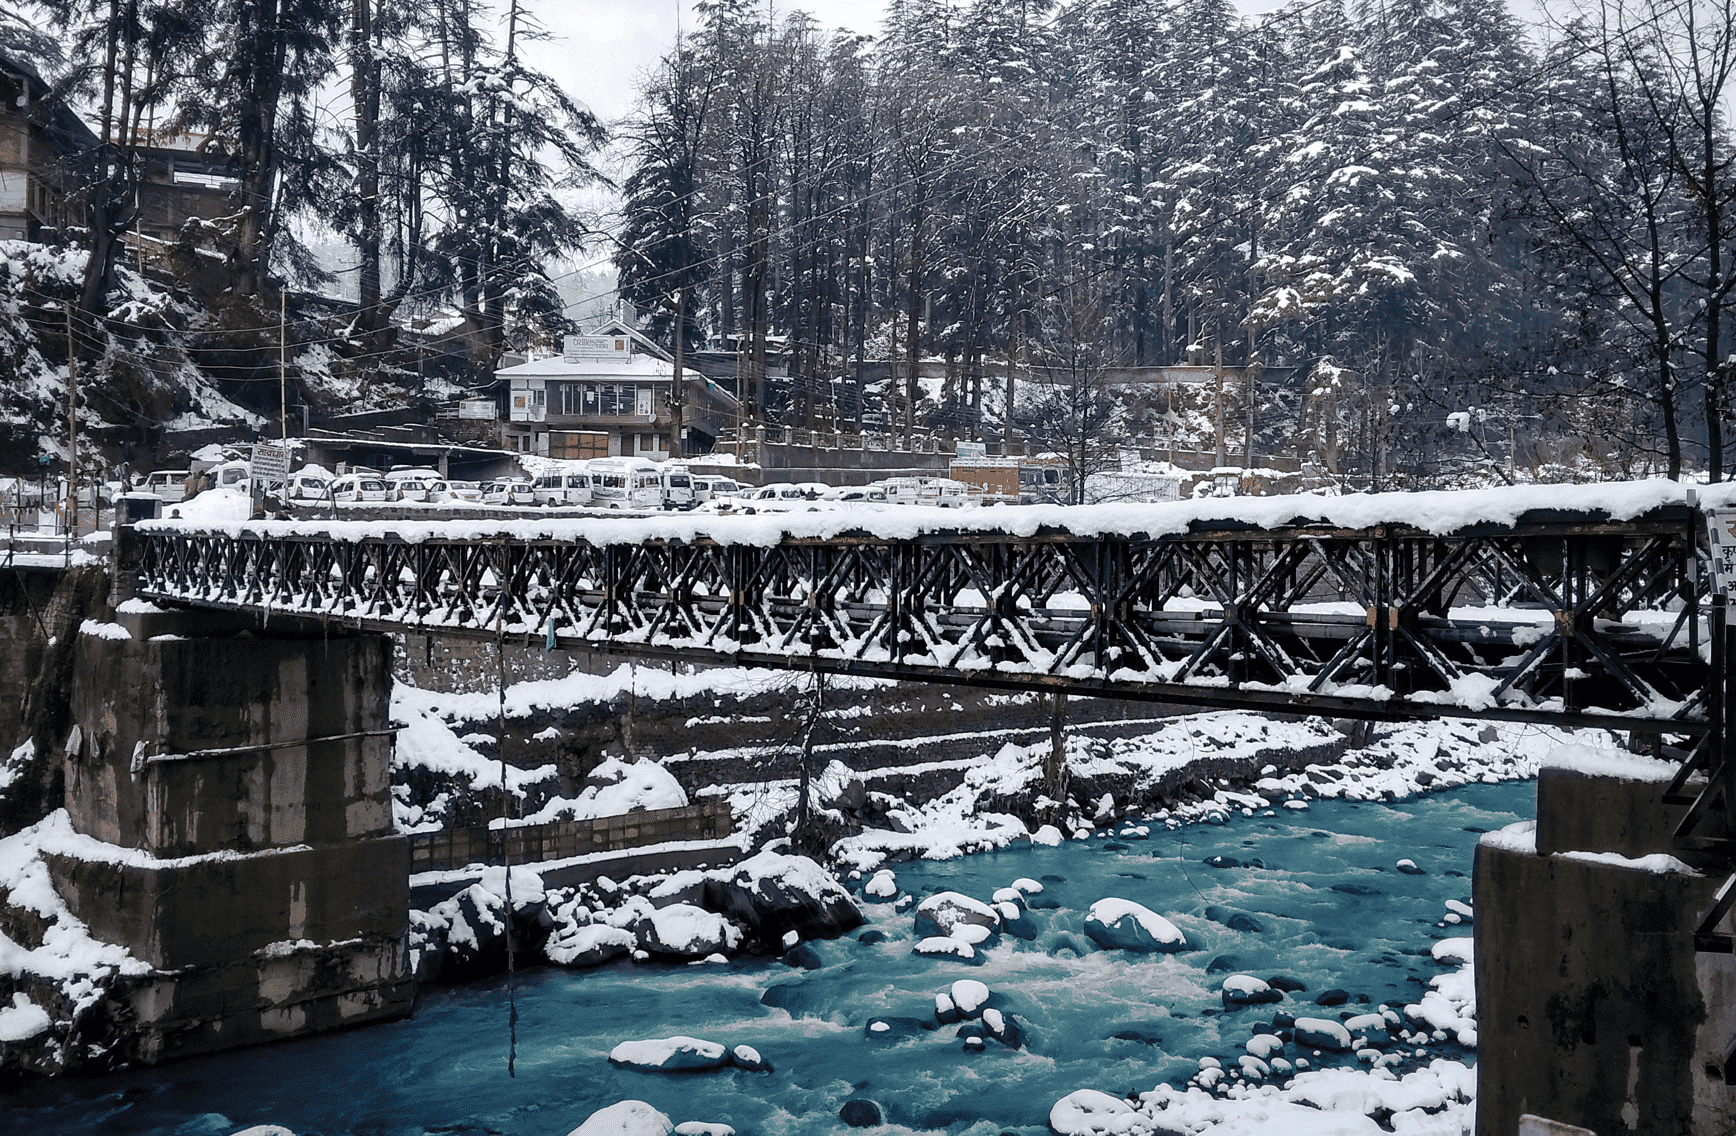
(1594, 1008)
(231, 793)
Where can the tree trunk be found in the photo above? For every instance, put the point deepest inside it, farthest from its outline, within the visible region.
(365, 99)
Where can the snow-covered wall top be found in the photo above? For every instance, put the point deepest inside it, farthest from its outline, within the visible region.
(1439, 513)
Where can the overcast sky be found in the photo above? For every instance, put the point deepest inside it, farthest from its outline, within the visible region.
(601, 47)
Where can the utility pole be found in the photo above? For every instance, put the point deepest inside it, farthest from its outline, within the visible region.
(677, 405)
(283, 365)
(71, 436)
(1218, 412)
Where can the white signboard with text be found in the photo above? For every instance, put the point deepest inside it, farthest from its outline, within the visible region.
(1721, 529)
(270, 463)
(596, 349)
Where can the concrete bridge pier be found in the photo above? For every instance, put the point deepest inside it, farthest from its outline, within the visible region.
(1594, 1007)
(230, 792)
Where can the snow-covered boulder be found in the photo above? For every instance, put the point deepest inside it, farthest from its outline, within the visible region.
(1264, 1045)
(1245, 990)
(970, 996)
(1121, 924)
(590, 944)
(678, 1054)
(947, 945)
(1368, 1030)
(772, 894)
(1085, 1112)
(881, 885)
(425, 946)
(1003, 1028)
(625, 1118)
(940, 913)
(686, 931)
(527, 886)
(895, 1029)
(1322, 1033)
(748, 1058)
(615, 787)
(703, 1128)
(1048, 836)
(1454, 952)
(476, 922)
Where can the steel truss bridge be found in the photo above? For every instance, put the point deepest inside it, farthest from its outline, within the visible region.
(1559, 618)
(1570, 619)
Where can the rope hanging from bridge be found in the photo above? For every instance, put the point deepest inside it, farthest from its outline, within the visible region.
(505, 851)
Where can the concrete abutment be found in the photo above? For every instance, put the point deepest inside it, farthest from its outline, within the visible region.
(230, 793)
(1594, 1008)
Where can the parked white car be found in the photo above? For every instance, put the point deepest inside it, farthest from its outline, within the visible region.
(779, 499)
(310, 483)
(509, 491)
(455, 492)
(856, 497)
(411, 484)
(410, 489)
(233, 475)
(355, 488)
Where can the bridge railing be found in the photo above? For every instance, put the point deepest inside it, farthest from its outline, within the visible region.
(1555, 617)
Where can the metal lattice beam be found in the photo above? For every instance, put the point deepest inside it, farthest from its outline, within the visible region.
(1564, 620)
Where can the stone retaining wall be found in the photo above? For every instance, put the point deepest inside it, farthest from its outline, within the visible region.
(558, 840)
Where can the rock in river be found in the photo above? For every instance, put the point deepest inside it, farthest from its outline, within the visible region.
(676, 1054)
(1121, 924)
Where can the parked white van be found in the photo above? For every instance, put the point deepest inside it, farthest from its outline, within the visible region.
(568, 487)
(233, 475)
(168, 484)
(711, 488)
(678, 488)
(625, 483)
(358, 487)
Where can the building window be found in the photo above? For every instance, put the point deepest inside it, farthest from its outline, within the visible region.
(643, 402)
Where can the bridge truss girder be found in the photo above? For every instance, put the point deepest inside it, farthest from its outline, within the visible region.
(1567, 621)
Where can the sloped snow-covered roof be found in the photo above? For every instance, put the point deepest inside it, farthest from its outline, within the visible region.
(633, 367)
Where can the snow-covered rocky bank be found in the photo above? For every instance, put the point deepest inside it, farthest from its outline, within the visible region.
(770, 902)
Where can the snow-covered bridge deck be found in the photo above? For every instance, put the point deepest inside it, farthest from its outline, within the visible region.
(1566, 603)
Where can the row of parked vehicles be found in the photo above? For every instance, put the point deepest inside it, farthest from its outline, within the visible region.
(607, 483)
(616, 483)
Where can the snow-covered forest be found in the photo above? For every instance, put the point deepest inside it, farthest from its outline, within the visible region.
(1431, 239)
(1429, 244)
